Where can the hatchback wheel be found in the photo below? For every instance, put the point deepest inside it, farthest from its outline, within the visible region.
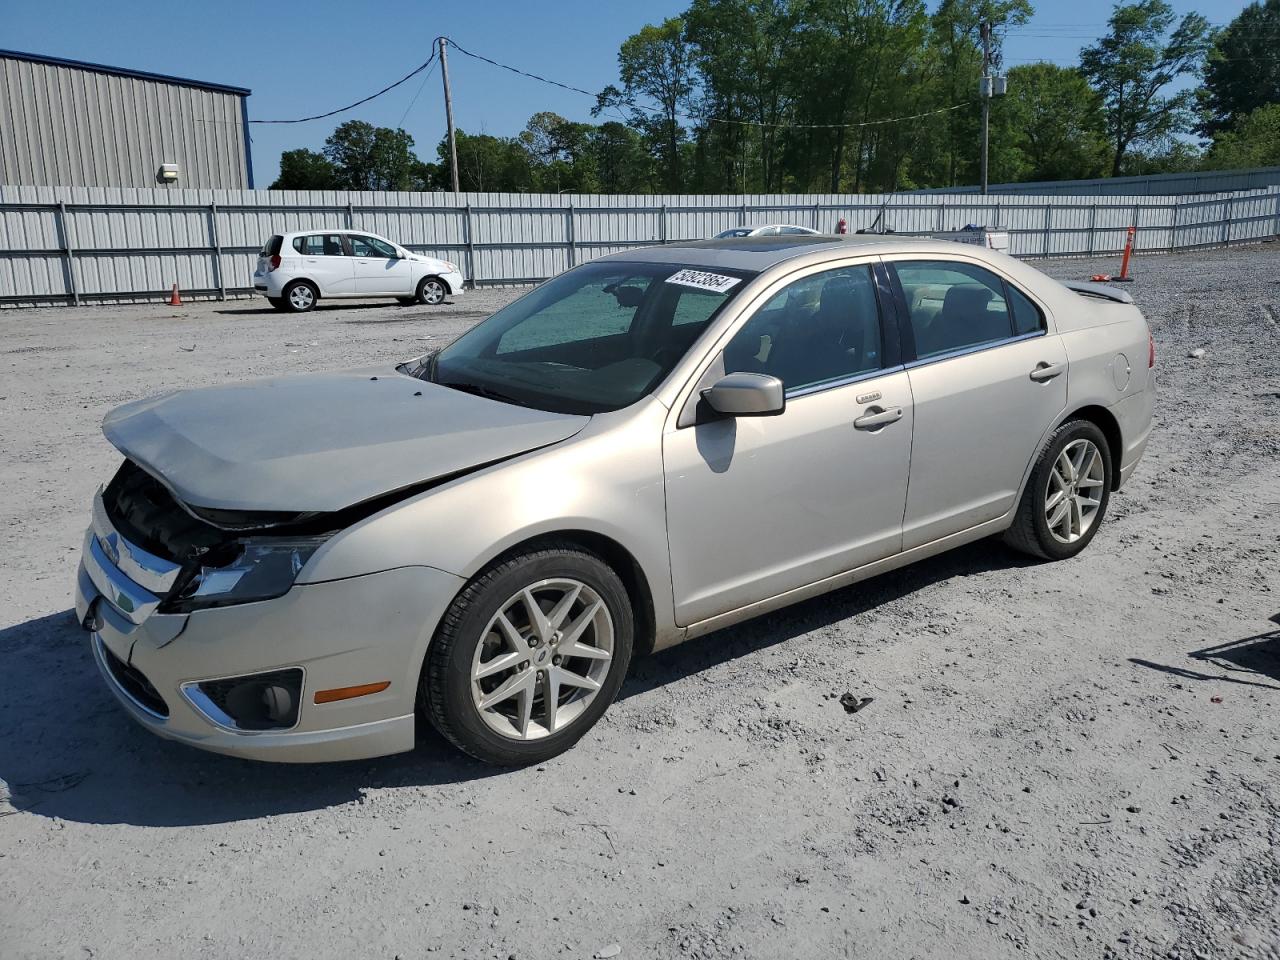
(431, 291)
(300, 296)
(529, 656)
(1066, 496)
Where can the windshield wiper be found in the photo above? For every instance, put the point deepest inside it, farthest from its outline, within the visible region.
(480, 390)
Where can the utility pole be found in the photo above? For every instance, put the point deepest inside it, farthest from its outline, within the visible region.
(986, 97)
(453, 140)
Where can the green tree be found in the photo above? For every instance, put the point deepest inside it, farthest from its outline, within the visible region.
(955, 54)
(622, 163)
(560, 151)
(657, 64)
(370, 158)
(1133, 64)
(1254, 142)
(1052, 121)
(305, 170)
(489, 164)
(1242, 71)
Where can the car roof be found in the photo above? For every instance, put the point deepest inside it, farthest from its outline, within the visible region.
(761, 253)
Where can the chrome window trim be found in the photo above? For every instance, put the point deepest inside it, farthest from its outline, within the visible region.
(200, 702)
(142, 567)
(119, 689)
(976, 348)
(825, 385)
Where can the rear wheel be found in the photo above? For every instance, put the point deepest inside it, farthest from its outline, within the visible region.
(1066, 496)
(431, 291)
(300, 296)
(529, 656)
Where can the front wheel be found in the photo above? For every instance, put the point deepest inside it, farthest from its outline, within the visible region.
(1066, 496)
(431, 291)
(529, 656)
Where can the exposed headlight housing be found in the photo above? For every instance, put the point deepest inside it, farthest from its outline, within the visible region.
(259, 568)
(450, 267)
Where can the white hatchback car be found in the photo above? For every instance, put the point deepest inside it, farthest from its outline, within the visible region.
(297, 269)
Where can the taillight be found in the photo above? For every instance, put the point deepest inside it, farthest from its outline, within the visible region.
(275, 262)
(1151, 350)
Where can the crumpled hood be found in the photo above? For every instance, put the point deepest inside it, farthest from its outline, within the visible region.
(321, 442)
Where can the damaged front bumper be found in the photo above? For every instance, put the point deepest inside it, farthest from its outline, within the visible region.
(330, 635)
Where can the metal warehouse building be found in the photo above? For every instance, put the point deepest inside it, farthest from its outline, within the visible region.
(67, 123)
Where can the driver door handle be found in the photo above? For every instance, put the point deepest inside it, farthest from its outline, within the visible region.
(872, 420)
(1047, 371)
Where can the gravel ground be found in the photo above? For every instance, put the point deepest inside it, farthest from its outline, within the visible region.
(1061, 760)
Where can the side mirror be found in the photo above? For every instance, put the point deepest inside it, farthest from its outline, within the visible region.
(746, 395)
(400, 255)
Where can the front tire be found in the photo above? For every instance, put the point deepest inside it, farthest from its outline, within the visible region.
(1067, 494)
(529, 656)
(431, 291)
(300, 296)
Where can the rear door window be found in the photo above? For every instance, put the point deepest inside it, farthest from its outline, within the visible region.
(320, 245)
(953, 306)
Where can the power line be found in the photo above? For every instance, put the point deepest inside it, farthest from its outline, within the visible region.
(351, 106)
(685, 116)
(425, 77)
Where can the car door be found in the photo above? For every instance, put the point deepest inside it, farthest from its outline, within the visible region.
(378, 267)
(757, 506)
(324, 259)
(988, 379)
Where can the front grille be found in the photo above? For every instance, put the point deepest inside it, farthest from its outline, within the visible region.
(134, 682)
(144, 512)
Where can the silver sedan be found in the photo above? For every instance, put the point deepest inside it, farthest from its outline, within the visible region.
(645, 449)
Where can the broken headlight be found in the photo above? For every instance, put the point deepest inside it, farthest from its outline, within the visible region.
(242, 572)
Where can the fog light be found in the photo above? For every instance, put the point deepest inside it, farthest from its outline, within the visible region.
(263, 701)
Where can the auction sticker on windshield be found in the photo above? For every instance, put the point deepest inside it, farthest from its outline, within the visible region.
(715, 282)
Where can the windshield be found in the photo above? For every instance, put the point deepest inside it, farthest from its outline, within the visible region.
(593, 339)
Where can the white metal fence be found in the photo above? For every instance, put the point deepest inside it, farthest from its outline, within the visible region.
(67, 245)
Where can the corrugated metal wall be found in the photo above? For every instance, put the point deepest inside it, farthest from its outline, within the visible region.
(69, 125)
(1159, 184)
(67, 244)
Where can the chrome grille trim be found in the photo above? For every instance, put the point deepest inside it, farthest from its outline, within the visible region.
(148, 571)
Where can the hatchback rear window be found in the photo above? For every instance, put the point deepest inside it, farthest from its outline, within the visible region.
(272, 247)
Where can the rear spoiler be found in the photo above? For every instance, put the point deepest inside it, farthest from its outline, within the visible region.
(1100, 290)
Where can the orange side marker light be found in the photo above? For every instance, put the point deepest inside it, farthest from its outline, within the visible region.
(348, 693)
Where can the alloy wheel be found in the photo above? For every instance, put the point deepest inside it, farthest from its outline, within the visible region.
(301, 297)
(433, 292)
(1073, 493)
(542, 659)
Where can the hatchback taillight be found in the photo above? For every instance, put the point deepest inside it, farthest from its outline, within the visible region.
(274, 262)
(1151, 350)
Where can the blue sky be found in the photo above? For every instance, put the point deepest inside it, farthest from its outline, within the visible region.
(309, 56)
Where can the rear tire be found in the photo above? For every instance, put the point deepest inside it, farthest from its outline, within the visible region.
(300, 296)
(278, 303)
(575, 649)
(1066, 495)
(431, 291)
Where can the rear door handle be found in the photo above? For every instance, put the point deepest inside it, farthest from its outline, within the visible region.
(1047, 371)
(880, 419)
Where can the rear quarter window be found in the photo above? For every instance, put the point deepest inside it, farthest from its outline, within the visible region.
(1027, 317)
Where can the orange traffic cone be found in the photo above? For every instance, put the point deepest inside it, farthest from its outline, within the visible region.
(174, 299)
